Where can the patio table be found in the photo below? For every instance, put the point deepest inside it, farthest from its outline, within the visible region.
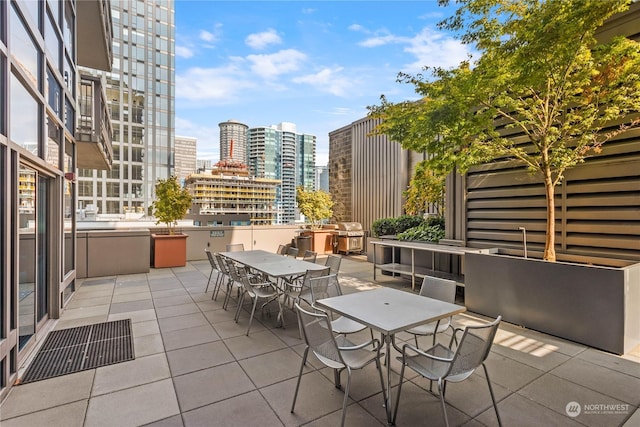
(274, 265)
(390, 311)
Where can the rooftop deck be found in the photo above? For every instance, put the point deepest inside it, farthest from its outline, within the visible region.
(194, 366)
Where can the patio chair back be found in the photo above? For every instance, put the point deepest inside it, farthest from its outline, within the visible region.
(333, 262)
(325, 286)
(282, 250)
(235, 247)
(437, 288)
(309, 256)
(474, 348)
(305, 289)
(292, 252)
(317, 334)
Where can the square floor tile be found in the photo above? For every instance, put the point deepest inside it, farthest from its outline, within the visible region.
(198, 357)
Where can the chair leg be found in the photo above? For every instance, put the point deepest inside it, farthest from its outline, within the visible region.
(395, 411)
(253, 310)
(493, 399)
(239, 308)
(346, 396)
(336, 378)
(208, 281)
(216, 288)
(304, 361)
(384, 390)
(444, 408)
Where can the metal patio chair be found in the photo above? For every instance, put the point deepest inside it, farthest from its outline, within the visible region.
(446, 364)
(265, 291)
(309, 256)
(334, 352)
(440, 289)
(214, 267)
(333, 262)
(235, 247)
(282, 250)
(292, 252)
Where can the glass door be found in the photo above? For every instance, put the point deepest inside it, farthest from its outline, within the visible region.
(33, 296)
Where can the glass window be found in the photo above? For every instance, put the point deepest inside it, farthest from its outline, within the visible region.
(25, 117)
(32, 9)
(23, 49)
(52, 41)
(52, 148)
(69, 36)
(113, 189)
(54, 93)
(85, 189)
(69, 75)
(69, 116)
(69, 213)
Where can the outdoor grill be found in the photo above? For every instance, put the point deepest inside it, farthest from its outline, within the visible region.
(350, 237)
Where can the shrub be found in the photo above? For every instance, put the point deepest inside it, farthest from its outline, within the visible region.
(423, 232)
(383, 227)
(405, 222)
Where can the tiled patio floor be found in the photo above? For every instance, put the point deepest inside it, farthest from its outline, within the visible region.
(194, 366)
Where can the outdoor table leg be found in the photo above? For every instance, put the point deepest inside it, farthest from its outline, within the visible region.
(387, 340)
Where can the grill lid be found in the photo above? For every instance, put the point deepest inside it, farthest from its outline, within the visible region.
(349, 226)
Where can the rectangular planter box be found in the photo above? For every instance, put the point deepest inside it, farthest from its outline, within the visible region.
(593, 305)
(169, 250)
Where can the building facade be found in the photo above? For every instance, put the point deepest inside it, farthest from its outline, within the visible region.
(233, 141)
(185, 157)
(52, 120)
(140, 92)
(322, 178)
(367, 174)
(229, 190)
(280, 152)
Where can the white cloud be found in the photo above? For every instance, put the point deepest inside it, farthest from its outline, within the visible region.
(261, 40)
(357, 27)
(272, 65)
(328, 80)
(184, 52)
(429, 47)
(435, 50)
(207, 36)
(211, 85)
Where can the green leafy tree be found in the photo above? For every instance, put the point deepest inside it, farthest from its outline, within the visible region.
(426, 188)
(314, 205)
(172, 202)
(540, 73)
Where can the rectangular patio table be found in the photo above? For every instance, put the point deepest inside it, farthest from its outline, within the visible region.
(389, 311)
(274, 265)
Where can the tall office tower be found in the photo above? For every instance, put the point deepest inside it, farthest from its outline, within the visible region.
(280, 152)
(140, 92)
(52, 120)
(233, 141)
(322, 178)
(185, 157)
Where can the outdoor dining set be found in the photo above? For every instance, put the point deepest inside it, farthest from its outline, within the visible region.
(327, 318)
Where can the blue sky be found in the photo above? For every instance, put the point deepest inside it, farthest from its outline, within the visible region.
(316, 64)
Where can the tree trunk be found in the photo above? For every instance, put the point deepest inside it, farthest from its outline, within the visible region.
(550, 238)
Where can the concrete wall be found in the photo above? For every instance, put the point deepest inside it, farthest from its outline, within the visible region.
(113, 252)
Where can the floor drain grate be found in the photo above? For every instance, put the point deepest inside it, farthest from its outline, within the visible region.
(77, 349)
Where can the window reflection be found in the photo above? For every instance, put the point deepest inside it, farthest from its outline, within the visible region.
(27, 253)
(24, 113)
(22, 47)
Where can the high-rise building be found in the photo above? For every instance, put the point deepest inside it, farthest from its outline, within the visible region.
(203, 165)
(229, 190)
(185, 157)
(322, 178)
(140, 92)
(280, 152)
(52, 121)
(233, 141)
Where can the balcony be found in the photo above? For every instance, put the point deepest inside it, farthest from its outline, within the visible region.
(95, 34)
(93, 136)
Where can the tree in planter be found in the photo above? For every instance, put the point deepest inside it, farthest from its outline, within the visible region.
(314, 205)
(426, 188)
(172, 202)
(540, 73)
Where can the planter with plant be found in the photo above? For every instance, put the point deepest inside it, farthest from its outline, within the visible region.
(171, 204)
(317, 207)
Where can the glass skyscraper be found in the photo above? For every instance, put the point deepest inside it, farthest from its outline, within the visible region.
(280, 152)
(140, 92)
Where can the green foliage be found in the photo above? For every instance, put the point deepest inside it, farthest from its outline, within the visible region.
(172, 202)
(423, 232)
(540, 73)
(383, 227)
(406, 222)
(426, 188)
(402, 224)
(314, 205)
